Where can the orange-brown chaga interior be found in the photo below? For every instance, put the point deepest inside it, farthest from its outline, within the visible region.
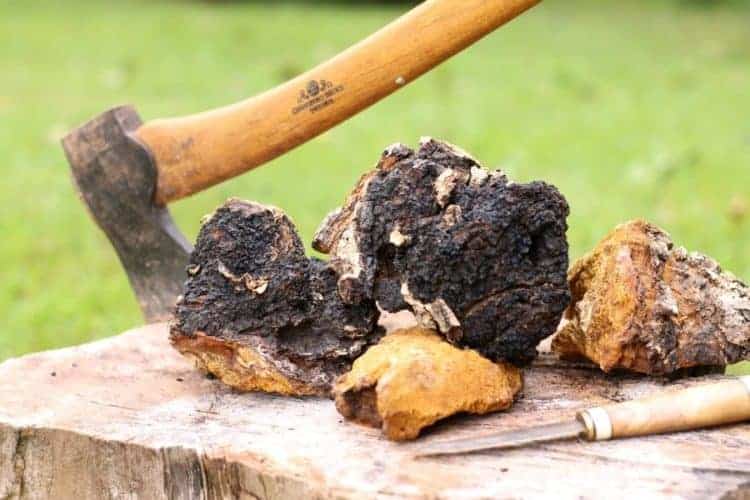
(643, 305)
(414, 378)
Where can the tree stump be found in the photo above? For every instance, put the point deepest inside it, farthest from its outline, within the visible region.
(128, 417)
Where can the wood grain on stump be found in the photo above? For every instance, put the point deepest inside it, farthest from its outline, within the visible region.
(128, 417)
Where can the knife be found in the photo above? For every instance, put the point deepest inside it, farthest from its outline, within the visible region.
(698, 407)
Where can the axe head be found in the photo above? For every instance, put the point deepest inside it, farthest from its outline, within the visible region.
(116, 178)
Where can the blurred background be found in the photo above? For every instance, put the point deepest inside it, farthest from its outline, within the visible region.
(633, 108)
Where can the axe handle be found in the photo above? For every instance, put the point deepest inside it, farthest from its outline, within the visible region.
(198, 151)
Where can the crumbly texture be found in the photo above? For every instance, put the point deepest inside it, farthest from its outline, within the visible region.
(260, 315)
(641, 304)
(479, 258)
(413, 378)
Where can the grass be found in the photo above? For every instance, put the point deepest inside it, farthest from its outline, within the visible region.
(633, 109)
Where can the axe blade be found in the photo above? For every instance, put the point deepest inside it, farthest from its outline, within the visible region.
(115, 176)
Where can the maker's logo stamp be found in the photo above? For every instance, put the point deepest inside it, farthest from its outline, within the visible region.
(316, 95)
(313, 87)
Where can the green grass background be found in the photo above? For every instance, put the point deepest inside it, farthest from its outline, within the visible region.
(632, 108)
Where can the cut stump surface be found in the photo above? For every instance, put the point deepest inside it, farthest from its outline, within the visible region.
(128, 417)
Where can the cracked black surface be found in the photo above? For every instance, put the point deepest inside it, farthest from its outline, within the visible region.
(495, 251)
(297, 320)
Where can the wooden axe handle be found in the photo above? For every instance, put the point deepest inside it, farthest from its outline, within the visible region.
(198, 151)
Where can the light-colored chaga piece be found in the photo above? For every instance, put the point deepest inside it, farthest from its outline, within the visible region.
(260, 315)
(644, 305)
(413, 378)
(473, 255)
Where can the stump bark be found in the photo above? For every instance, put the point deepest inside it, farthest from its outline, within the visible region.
(128, 417)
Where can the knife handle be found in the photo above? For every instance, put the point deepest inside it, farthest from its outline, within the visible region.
(697, 407)
(194, 152)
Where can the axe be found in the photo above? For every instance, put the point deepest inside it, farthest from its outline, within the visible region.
(127, 171)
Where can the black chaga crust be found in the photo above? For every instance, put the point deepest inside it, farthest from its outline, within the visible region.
(480, 258)
(251, 284)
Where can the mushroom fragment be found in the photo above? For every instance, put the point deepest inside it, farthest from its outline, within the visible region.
(479, 258)
(413, 378)
(641, 304)
(259, 314)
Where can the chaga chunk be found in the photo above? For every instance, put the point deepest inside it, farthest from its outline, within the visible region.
(643, 305)
(413, 378)
(259, 314)
(479, 258)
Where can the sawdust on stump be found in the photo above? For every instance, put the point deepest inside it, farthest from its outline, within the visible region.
(259, 314)
(479, 258)
(413, 378)
(644, 305)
